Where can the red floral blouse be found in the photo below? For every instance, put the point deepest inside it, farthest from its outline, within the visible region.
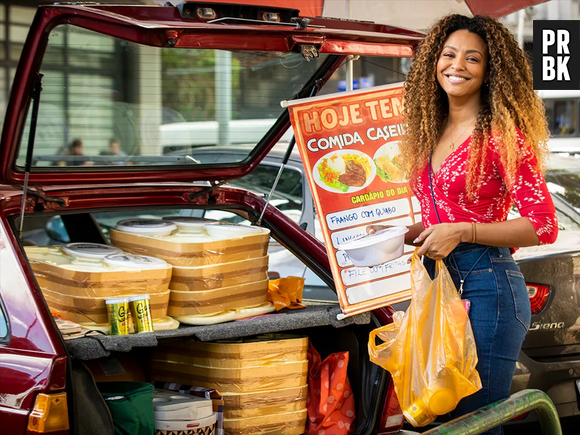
(493, 201)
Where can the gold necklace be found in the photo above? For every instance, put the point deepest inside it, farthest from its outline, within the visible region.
(452, 146)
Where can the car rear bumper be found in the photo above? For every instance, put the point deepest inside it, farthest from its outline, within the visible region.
(556, 378)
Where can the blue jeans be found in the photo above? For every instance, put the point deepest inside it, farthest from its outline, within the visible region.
(500, 317)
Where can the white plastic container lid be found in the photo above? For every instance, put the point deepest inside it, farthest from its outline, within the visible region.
(131, 261)
(233, 231)
(150, 227)
(90, 250)
(190, 225)
(187, 221)
(173, 406)
(138, 298)
(116, 301)
(372, 239)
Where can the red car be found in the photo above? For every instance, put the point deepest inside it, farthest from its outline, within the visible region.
(81, 140)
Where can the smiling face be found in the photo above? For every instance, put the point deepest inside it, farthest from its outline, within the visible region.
(462, 65)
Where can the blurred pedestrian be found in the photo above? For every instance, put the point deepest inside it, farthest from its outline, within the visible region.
(74, 151)
(475, 145)
(115, 150)
(77, 150)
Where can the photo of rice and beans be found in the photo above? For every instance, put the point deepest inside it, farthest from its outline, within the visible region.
(348, 171)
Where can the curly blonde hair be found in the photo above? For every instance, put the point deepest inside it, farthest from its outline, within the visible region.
(508, 101)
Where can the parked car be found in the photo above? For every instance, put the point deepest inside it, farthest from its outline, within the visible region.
(562, 110)
(92, 72)
(549, 358)
(548, 351)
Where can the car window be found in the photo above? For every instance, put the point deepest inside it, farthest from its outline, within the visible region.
(288, 194)
(288, 198)
(562, 117)
(109, 102)
(4, 329)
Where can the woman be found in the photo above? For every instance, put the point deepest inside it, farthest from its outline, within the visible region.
(476, 142)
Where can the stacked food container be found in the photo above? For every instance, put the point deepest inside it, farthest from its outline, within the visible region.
(216, 268)
(263, 380)
(77, 278)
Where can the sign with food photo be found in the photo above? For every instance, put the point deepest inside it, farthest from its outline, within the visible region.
(349, 145)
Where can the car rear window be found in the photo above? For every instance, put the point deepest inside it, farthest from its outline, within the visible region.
(110, 102)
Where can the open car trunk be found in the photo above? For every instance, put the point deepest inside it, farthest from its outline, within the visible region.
(114, 109)
(89, 414)
(318, 321)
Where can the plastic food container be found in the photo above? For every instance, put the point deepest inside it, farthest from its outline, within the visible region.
(377, 248)
(78, 278)
(149, 227)
(199, 245)
(131, 261)
(219, 267)
(171, 406)
(89, 252)
(191, 225)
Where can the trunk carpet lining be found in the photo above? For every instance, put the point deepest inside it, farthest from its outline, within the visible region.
(100, 346)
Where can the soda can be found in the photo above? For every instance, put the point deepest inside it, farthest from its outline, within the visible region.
(141, 313)
(118, 314)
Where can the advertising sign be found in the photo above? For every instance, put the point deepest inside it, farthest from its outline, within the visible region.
(349, 145)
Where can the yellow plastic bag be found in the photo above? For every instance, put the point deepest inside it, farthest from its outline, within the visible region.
(429, 350)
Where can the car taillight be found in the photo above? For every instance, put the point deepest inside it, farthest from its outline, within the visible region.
(392, 419)
(49, 415)
(538, 296)
(520, 417)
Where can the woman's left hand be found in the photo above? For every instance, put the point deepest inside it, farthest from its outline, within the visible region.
(440, 239)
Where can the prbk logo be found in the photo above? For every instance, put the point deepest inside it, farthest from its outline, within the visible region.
(556, 55)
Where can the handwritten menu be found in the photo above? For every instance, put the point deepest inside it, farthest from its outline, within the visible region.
(349, 145)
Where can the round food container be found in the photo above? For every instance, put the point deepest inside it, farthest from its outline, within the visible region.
(89, 252)
(377, 248)
(191, 225)
(131, 261)
(149, 227)
(234, 231)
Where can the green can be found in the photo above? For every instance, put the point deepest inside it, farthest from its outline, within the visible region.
(118, 314)
(141, 312)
